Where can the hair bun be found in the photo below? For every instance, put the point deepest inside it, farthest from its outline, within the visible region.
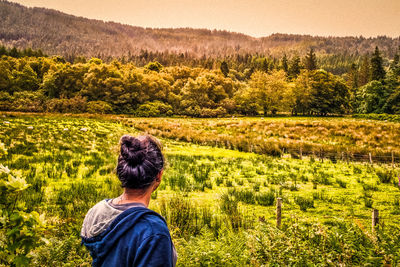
(132, 150)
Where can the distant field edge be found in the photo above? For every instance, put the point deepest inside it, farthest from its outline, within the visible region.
(379, 117)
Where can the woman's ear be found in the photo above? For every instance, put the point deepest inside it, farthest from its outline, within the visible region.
(159, 176)
(157, 180)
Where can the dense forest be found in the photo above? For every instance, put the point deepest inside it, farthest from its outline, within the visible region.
(57, 33)
(33, 82)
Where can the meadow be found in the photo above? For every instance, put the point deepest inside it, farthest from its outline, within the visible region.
(332, 137)
(217, 196)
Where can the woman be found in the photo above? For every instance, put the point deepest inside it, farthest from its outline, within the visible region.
(123, 231)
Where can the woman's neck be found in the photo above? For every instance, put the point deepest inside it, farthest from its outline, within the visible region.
(134, 195)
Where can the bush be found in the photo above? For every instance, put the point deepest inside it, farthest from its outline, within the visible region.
(341, 183)
(154, 66)
(266, 198)
(211, 113)
(27, 101)
(98, 107)
(61, 252)
(304, 203)
(181, 215)
(368, 202)
(385, 176)
(340, 244)
(245, 195)
(154, 109)
(20, 231)
(76, 104)
(229, 249)
(5, 101)
(380, 117)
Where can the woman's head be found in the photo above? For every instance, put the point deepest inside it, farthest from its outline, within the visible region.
(140, 161)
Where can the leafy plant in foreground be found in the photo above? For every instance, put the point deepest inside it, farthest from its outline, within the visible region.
(19, 230)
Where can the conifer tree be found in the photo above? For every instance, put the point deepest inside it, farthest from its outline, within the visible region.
(3, 50)
(224, 68)
(377, 71)
(285, 65)
(395, 64)
(14, 52)
(265, 65)
(294, 68)
(310, 60)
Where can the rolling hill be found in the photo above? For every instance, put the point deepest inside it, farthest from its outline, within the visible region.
(58, 33)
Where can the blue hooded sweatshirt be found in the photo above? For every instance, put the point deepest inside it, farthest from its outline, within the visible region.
(136, 236)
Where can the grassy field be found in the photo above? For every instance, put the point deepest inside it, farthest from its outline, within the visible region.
(337, 138)
(219, 203)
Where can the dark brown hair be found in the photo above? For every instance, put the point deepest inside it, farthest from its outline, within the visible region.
(140, 161)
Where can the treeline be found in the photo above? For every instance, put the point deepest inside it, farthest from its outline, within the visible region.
(292, 85)
(17, 53)
(336, 64)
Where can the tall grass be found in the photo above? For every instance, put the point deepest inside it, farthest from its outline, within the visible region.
(212, 196)
(333, 137)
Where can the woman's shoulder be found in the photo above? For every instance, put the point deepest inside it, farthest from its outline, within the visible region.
(155, 223)
(143, 223)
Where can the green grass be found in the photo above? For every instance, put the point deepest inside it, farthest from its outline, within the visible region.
(210, 196)
(333, 138)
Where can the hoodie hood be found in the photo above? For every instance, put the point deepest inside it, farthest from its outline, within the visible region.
(104, 225)
(98, 219)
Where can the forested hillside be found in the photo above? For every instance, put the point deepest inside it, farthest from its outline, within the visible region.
(58, 33)
(31, 82)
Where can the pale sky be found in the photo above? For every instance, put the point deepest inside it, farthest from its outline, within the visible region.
(253, 17)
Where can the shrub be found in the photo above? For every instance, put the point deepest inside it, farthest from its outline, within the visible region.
(234, 218)
(28, 101)
(98, 107)
(154, 66)
(245, 195)
(209, 113)
(380, 117)
(304, 203)
(299, 244)
(76, 104)
(67, 252)
(229, 249)
(181, 215)
(266, 198)
(385, 176)
(20, 231)
(341, 183)
(5, 101)
(369, 187)
(368, 202)
(154, 109)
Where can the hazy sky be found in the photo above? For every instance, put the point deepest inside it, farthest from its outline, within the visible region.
(253, 17)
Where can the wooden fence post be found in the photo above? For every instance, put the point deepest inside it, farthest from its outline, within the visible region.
(375, 218)
(301, 153)
(278, 212)
(370, 158)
